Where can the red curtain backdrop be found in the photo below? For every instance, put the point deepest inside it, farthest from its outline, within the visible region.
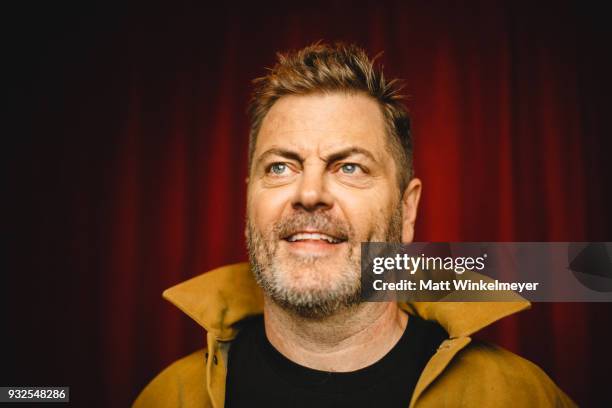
(127, 170)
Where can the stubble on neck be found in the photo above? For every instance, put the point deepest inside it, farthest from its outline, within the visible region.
(351, 339)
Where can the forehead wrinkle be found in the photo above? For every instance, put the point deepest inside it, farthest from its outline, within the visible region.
(297, 112)
(296, 123)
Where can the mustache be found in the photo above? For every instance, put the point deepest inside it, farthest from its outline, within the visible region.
(320, 222)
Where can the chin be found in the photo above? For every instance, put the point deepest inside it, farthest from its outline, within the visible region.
(313, 274)
(317, 304)
(312, 290)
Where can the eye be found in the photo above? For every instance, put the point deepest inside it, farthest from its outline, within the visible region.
(349, 168)
(278, 169)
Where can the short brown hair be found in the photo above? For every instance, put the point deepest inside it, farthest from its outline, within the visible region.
(335, 68)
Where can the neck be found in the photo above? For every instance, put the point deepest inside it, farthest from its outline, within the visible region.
(347, 341)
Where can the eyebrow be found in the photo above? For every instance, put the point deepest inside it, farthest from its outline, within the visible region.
(342, 154)
(349, 151)
(289, 154)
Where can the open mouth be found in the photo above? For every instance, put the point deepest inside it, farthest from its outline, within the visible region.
(314, 237)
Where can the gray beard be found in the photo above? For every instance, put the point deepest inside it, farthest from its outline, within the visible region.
(344, 294)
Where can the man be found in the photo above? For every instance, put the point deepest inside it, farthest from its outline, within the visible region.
(331, 167)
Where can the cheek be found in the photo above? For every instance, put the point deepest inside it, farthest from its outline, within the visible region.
(266, 206)
(367, 213)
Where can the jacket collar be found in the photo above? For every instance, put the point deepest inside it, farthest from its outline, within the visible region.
(219, 299)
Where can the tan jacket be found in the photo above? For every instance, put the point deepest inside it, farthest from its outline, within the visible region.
(463, 372)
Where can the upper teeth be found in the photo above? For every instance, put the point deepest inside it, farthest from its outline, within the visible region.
(308, 235)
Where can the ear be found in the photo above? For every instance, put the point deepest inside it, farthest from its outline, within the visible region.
(410, 204)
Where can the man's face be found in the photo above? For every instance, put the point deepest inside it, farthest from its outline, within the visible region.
(322, 181)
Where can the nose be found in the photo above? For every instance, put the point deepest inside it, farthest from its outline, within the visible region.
(311, 191)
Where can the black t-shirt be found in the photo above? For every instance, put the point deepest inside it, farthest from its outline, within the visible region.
(260, 376)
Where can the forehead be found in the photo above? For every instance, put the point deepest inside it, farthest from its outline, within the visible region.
(323, 121)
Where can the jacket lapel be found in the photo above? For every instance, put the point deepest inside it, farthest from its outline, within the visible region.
(219, 299)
